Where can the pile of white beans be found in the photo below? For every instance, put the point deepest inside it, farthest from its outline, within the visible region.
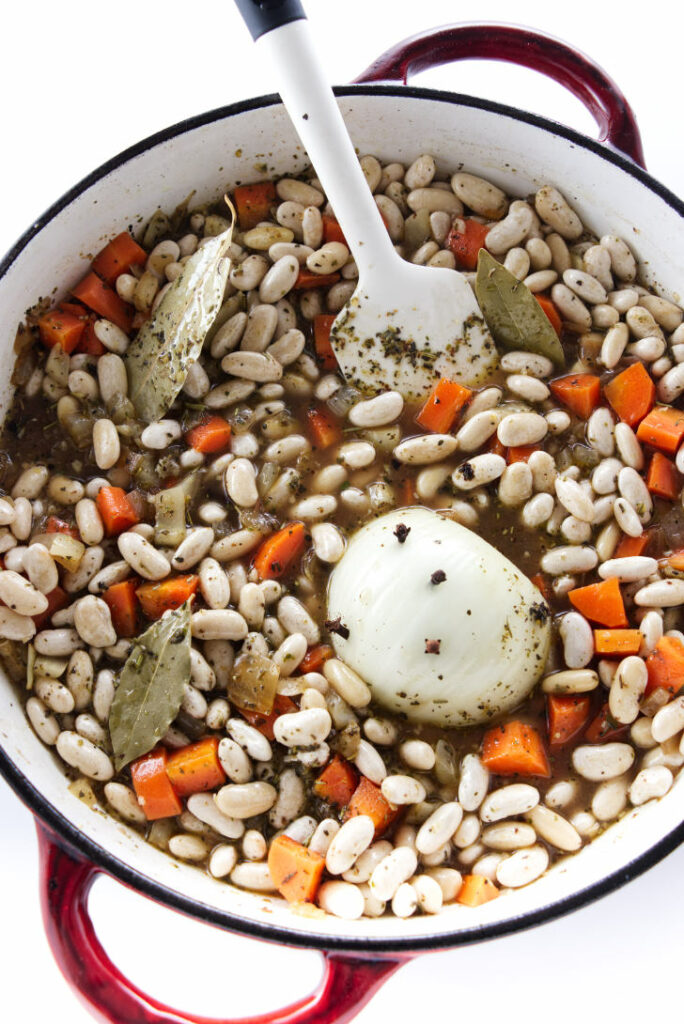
(456, 820)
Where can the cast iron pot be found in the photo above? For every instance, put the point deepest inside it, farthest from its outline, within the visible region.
(608, 185)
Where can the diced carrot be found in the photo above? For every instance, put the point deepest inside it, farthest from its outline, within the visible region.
(476, 890)
(630, 546)
(495, 447)
(75, 308)
(56, 525)
(600, 602)
(551, 312)
(196, 768)
(580, 392)
(116, 510)
(120, 598)
(603, 727)
(264, 723)
(280, 551)
(253, 203)
(315, 657)
(566, 716)
(368, 799)
(61, 328)
(157, 598)
(631, 393)
(98, 296)
(57, 599)
(90, 344)
(665, 666)
(337, 782)
(663, 479)
(521, 453)
(307, 279)
(515, 749)
(324, 429)
(466, 244)
(210, 436)
(443, 405)
(675, 561)
(542, 584)
(332, 232)
(663, 428)
(295, 871)
(152, 787)
(617, 641)
(322, 325)
(118, 256)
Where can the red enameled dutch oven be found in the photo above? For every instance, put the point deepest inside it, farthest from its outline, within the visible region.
(608, 185)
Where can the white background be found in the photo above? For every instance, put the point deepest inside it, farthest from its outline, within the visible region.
(82, 81)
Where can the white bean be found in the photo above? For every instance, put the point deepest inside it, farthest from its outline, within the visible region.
(522, 428)
(82, 754)
(439, 827)
(667, 593)
(349, 843)
(582, 680)
(668, 721)
(341, 899)
(245, 800)
(627, 689)
(370, 763)
(608, 761)
(650, 784)
(19, 594)
(142, 557)
(508, 835)
(250, 739)
(303, 728)
(517, 798)
(402, 789)
(218, 624)
(522, 867)
(478, 471)
(426, 449)
(473, 783)
(392, 871)
(578, 640)
(554, 209)
(93, 622)
(555, 829)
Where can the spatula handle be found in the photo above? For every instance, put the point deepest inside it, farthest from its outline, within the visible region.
(263, 16)
(289, 53)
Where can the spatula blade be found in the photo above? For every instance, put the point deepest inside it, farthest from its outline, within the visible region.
(407, 332)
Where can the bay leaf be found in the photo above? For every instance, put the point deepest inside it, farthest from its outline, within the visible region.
(170, 341)
(151, 686)
(516, 320)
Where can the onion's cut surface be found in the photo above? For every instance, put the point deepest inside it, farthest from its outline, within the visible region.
(442, 627)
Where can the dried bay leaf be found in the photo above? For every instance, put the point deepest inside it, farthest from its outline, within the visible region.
(151, 686)
(514, 317)
(170, 341)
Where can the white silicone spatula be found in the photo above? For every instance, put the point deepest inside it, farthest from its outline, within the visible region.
(405, 325)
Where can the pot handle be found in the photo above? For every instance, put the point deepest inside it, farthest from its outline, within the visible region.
(516, 45)
(348, 982)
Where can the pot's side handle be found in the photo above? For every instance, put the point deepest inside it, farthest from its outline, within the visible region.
(516, 45)
(348, 982)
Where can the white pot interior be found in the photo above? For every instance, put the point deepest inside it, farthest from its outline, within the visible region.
(255, 143)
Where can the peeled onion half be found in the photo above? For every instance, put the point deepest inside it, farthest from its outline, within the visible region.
(442, 627)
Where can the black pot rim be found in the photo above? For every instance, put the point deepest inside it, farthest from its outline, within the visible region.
(84, 846)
